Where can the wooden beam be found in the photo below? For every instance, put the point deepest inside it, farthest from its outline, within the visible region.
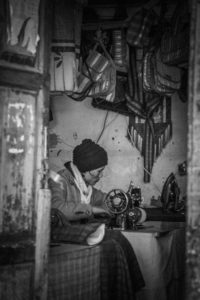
(193, 186)
(20, 78)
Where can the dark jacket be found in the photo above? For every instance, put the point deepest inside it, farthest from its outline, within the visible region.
(66, 196)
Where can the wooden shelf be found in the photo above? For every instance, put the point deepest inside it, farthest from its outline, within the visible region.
(119, 107)
(104, 25)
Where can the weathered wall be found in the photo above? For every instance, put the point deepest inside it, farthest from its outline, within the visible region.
(17, 125)
(73, 121)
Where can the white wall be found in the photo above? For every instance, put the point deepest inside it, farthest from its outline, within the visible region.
(74, 121)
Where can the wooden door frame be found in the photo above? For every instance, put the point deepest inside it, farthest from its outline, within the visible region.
(35, 79)
(192, 285)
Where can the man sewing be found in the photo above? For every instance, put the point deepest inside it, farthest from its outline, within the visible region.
(72, 188)
(75, 198)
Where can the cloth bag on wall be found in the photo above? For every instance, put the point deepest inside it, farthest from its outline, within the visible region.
(97, 77)
(167, 78)
(92, 70)
(65, 48)
(159, 77)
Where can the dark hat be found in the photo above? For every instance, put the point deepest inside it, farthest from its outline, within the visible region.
(89, 156)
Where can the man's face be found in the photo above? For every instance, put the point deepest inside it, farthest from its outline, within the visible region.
(92, 177)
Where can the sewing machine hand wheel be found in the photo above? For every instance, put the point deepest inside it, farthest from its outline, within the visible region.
(116, 201)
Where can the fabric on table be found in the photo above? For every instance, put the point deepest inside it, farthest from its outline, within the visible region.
(74, 275)
(175, 266)
(118, 275)
(121, 276)
(136, 275)
(115, 277)
(82, 272)
(97, 236)
(64, 231)
(161, 260)
(119, 271)
(175, 271)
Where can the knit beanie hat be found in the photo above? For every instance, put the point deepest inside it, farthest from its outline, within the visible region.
(89, 156)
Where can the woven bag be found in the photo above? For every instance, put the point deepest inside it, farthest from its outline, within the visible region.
(98, 76)
(167, 78)
(92, 70)
(158, 77)
(105, 86)
(139, 28)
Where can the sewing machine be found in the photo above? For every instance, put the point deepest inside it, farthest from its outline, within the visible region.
(125, 208)
(128, 213)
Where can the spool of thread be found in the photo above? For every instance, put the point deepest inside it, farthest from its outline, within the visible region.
(119, 47)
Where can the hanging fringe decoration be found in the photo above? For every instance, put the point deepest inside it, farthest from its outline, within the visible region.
(151, 134)
(150, 126)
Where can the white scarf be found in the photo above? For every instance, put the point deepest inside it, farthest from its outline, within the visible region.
(85, 191)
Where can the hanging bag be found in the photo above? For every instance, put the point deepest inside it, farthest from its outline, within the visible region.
(98, 75)
(174, 48)
(92, 70)
(139, 28)
(167, 78)
(159, 77)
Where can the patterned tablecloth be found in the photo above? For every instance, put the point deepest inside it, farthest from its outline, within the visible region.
(106, 271)
(74, 272)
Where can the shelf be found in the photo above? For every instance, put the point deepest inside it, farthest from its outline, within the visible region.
(104, 25)
(119, 107)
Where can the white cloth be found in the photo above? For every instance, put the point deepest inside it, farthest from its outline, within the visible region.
(97, 236)
(85, 191)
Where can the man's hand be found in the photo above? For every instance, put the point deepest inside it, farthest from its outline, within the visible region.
(99, 211)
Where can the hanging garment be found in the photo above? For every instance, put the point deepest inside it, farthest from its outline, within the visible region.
(150, 126)
(175, 47)
(65, 48)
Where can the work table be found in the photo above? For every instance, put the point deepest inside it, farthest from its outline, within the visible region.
(160, 250)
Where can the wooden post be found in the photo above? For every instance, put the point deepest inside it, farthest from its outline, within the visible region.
(193, 185)
(42, 204)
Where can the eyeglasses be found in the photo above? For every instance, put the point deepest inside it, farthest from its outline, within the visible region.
(96, 173)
